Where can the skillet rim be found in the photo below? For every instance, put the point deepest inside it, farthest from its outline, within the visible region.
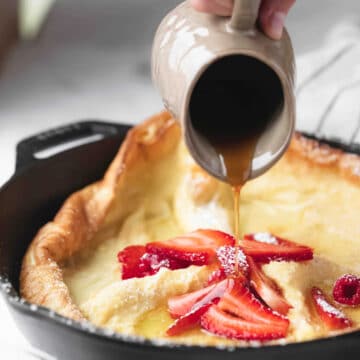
(13, 299)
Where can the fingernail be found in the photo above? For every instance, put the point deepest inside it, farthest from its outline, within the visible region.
(276, 24)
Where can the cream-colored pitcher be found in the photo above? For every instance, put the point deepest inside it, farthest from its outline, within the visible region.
(192, 47)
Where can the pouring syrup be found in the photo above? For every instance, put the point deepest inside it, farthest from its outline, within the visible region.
(232, 110)
(237, 156)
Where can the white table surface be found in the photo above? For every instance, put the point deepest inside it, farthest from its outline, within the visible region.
(92, 61)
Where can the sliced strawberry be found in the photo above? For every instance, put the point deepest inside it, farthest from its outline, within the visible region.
(267, 289)
(333, 318)
(192, 317)
(216, 276)
(226, 256)
(155, 262)
(132, 266)
(137, 263)
(264, 247)
(240, 301)
(198, 247)
(218, 322)
(187, 321)
(182, 304)
(234, 299)
(347, 290)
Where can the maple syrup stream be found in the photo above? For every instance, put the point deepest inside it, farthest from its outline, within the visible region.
(237, 156)
(231, 106)
(235, 146)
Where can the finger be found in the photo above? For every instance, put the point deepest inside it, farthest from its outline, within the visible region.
(272, 16)
(217, 7)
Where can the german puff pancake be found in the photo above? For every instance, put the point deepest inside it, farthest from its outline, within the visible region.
(153, 191)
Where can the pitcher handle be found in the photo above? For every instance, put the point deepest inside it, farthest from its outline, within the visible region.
(245, 14)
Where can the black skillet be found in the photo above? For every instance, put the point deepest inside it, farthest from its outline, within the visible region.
(33, 196)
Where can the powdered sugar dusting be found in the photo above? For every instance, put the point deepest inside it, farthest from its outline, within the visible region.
(266, 238)
(348, 277)
(226, 256)
(328, 308)
(357, 170)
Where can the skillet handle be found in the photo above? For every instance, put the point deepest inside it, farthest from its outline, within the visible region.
(54, 141)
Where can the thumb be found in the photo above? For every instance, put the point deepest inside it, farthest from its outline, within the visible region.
(272, 16)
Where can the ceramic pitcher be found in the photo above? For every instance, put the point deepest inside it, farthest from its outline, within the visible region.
(187, 43)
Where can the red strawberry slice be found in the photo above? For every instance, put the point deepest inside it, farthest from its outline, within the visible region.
(187, 321)
(132, 266)
(183, 304)
(333, 318)
(347, 290)
(264, 247)
(226, 256)
(238, 300)
(192, 317)
(239, 314)
(267, 289)
(155, 262)
(216, 276)
(218, 322)
(198, 247)
(137, 263)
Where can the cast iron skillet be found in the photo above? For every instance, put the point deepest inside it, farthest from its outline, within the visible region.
(33, 196)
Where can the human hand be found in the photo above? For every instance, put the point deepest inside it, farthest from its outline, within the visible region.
(272, 13)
